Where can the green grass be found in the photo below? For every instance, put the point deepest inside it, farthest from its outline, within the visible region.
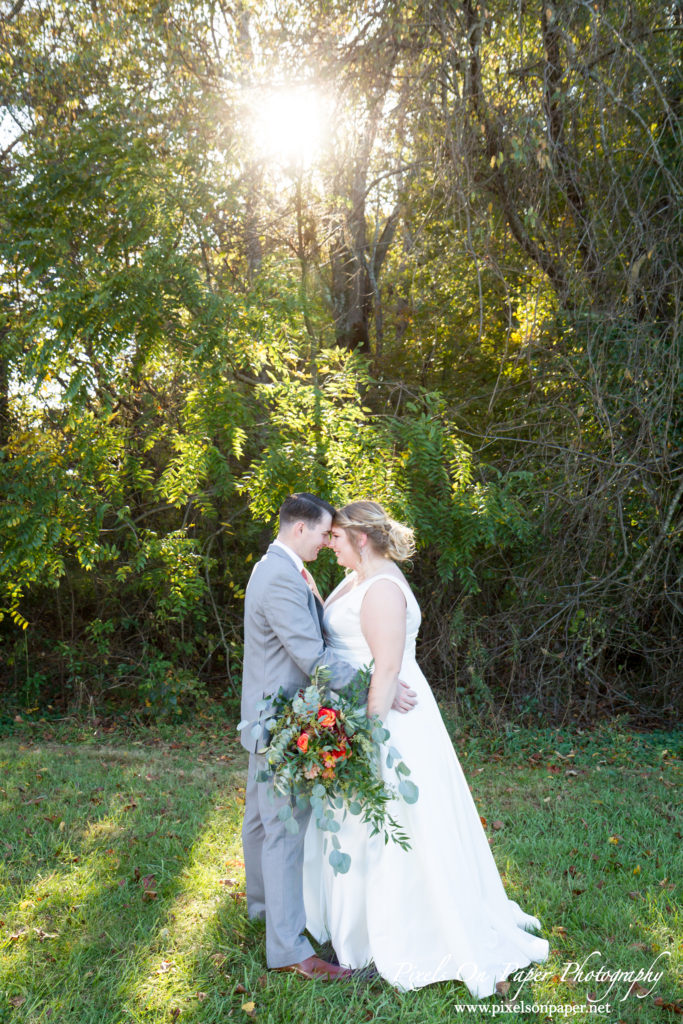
(122, 884)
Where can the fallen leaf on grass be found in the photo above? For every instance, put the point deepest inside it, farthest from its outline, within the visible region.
(45, 935)
(559, 929)
(165, 967)
(227, 881)
(672, 1007)
(638, 990)
(503, 987)
(17, 1000)
(240, 990)
(497, 825)
(218, 959)
(18, 934)
(201, 996)
(249, 1008)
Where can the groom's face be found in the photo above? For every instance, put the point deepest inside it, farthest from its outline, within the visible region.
(315, 537)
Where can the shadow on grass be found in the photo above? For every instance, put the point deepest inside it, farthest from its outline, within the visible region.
(103, 877)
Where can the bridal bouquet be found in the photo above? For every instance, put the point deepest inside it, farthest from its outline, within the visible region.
(324, 751)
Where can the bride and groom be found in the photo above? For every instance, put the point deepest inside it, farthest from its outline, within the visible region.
(435, 912)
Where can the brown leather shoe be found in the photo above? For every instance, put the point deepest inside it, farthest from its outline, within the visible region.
(314, 967)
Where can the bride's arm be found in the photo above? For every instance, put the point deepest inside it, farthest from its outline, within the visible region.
(383, 623)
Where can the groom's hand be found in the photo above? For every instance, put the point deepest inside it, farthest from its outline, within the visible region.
(405, 699)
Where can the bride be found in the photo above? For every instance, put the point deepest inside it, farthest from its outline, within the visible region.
(437, 911)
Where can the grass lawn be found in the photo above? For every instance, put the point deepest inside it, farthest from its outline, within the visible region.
(122, 882)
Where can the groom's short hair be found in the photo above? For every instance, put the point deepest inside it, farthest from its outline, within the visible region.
(303, 507)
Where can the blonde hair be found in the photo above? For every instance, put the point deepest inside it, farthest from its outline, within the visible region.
(389, 538)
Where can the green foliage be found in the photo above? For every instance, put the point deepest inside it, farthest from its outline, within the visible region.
(494, 222)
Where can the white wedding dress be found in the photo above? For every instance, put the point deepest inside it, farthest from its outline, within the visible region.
(437, 911)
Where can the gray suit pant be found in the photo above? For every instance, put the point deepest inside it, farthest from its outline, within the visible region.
(273, 861)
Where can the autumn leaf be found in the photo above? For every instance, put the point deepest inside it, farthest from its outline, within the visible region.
(638, 990)
(165, 967)
(249, 1008)
(671, 1007)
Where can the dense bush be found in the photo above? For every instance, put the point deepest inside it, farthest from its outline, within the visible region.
(467, 308)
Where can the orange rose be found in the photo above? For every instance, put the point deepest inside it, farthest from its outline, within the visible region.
(302, 742)
(327, 717)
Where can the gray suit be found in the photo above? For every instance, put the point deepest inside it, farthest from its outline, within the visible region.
(283, 645)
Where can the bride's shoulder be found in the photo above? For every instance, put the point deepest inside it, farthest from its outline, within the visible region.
(390, 576)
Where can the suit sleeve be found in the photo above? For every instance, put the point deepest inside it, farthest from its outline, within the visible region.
(291, 620)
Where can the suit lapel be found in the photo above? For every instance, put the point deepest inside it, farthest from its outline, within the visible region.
(317, 609)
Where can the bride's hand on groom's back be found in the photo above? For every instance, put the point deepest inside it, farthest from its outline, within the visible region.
(405, 699)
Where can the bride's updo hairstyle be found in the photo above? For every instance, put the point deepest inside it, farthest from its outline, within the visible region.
(388, 538)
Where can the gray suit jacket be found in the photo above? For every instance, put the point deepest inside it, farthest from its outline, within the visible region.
(283, 642)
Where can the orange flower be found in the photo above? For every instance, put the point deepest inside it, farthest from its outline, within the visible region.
(302, 742)
(327, 717)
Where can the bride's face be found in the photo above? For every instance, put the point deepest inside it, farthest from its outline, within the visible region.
(340, 542)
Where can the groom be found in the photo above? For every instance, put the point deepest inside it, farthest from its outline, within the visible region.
(283, 645)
